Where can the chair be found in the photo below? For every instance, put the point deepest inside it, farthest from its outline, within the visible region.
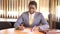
(5, 25)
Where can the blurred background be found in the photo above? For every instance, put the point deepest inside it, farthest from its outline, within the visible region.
(10, 10)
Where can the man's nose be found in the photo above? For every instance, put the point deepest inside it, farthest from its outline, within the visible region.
(31, 9)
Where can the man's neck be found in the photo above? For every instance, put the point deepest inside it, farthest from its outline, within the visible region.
(32, 13)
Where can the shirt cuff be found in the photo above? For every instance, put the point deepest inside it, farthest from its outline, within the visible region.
(44, 27)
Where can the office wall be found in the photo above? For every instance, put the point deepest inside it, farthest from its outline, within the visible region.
(14, 8)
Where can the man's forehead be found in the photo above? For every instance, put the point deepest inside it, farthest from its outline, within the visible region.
(32, 6)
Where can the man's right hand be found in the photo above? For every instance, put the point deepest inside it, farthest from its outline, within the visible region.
(21, 27)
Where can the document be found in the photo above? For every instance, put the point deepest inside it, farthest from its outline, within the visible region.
(28, 31)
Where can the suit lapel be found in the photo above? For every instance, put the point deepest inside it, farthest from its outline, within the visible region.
(27, 18)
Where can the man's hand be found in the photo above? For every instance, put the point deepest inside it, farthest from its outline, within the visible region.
(35, 28)
(21, 27)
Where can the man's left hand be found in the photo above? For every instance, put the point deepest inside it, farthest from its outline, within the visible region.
(35, 28)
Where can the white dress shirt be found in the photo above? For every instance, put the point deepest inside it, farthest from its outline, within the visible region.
(31, 18)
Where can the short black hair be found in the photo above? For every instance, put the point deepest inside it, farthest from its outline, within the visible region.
(33, 3)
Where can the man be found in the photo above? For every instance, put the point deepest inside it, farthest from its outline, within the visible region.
(32, 19)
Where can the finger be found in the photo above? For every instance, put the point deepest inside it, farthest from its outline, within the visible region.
(21, 27)
(33, 28)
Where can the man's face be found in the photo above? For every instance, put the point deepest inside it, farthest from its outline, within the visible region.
(32, 8)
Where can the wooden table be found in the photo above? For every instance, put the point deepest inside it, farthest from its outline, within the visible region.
(25, 31)
(53, 31)
(14, 31)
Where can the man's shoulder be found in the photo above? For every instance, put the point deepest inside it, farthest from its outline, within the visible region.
(38, 13)
(25, 12)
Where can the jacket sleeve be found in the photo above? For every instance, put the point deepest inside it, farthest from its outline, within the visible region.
(19, 21)
(44, 25)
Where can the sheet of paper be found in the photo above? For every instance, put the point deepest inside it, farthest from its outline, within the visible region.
(57, 30)
(28, 31)
(54, 31)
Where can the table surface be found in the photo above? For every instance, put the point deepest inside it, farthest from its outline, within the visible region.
(14, 31)
(26, 31)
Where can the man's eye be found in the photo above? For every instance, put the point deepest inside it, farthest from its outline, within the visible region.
(31, 8)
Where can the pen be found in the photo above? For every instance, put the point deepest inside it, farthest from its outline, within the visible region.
(33, 28)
